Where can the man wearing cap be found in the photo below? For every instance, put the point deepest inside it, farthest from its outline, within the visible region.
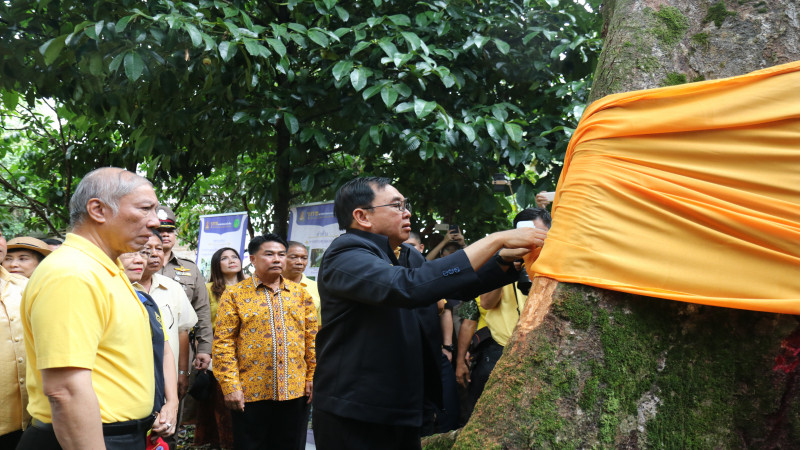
(188, 275)
(14, 415)
(24, 255)
(91, 377)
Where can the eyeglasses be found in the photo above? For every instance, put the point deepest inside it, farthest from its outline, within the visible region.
(405, 205)
(145, 253)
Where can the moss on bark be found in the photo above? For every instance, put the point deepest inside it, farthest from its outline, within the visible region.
(614, 370)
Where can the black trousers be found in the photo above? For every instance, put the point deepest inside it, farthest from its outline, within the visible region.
(269, 424)
(37, 438)
(10, 440)
(487, 355)
(332, 432)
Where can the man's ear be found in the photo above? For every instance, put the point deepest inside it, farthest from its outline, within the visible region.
(97, 210)
(361, 219)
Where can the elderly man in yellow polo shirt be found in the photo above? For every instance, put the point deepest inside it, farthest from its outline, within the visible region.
(296, 263)
(13, 416)
(91, 381)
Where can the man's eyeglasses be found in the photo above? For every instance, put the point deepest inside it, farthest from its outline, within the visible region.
(405, 205)
(145, 253)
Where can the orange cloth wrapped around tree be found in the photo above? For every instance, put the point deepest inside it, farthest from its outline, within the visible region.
(688, 193)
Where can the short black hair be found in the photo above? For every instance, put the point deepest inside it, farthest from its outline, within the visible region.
(356, 193)
(39, 257)
(258, 241)
(52, 241)
(533, 214)
(157, 234)
(414, 235)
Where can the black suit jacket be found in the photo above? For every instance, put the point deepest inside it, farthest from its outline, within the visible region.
(371, 349)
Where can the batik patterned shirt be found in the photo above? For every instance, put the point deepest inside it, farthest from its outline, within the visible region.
(264, 340)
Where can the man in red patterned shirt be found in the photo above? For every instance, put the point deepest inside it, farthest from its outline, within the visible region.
(263, 351)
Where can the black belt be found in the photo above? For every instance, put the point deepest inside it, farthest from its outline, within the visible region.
(110, 429)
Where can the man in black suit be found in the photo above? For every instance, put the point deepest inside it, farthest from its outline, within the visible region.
(374, 361)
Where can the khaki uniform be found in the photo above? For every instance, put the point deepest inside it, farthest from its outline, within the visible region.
(188, 275)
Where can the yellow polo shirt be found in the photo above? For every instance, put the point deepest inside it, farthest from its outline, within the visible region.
(80, 310)
(502, 319)
(311, 288)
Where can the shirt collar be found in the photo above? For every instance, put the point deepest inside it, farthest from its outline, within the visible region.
(85, 246)
(257, 282)
(9, 277)
(380, 240)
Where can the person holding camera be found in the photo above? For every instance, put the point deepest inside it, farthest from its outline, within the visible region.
(486, 331)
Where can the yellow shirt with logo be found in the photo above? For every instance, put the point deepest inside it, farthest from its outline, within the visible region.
(80, 310)
(502, 319)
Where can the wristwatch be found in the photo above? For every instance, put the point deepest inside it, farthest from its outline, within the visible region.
(502, 261)
(449, 348)
(181, 372)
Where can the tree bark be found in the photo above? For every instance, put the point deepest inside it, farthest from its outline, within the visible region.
(590, 368)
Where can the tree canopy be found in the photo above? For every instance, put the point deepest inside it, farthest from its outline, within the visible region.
(246, 105)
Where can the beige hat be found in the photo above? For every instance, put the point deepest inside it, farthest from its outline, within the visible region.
(29, 243)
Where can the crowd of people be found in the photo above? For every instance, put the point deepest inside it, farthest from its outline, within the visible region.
(114, 341)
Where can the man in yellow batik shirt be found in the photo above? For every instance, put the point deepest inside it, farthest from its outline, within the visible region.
(263, 351)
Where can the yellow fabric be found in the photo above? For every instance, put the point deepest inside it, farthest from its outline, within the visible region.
(311, 288)
(13, 394)
(213, 301)
(689, 193)
(502, 319)
(80, 310)
(264, 341)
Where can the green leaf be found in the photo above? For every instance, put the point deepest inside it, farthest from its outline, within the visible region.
(329, 4)
(370, 91)
(10, 99)
(552, 3)
(121, 24)
(556, 52)
(52, 48)
(404, 107)
(468, 131)
(360, 46)
(502, 46)
(422, 108)
(493, 127)
(194, 35)
(307, 183)
(499, 113)
(96, 64)
(98, 27)
(318, 37)
(254, 48)
(403, 89)
(292, 124)
(278, 46)
(226, 50)
(375, 134)
(388, 95)
(401, 20)
(388, 47)
(134, 66)
(412, 39)
(240, 117)
(514, 132)
(297, 27)
(358, 78)
(113, 66)
(342, 69)
(343, 14)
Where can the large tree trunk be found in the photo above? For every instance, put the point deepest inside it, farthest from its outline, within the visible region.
(589, 368)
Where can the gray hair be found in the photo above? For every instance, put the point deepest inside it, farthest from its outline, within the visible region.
(107, 184)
